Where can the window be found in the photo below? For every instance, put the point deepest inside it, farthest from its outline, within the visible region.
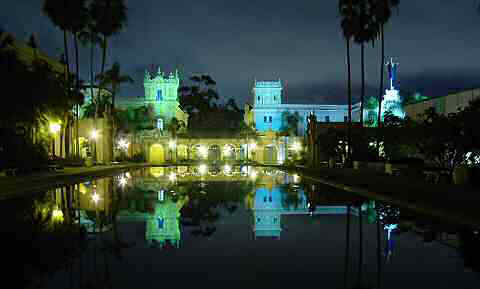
(159, 95)
(264, 119)
(264, 199)
(270, 199)
(160, 223)
(327, 118)
(274, 97)
(160, 124)
(258, 98)
(270, 119)
(345, 118)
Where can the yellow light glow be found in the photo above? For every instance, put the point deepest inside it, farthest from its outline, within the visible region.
(172, 177)
(123, 181)
(203, 151)
(95, 198)
(227, 169)
(54, 127)
(94, 134)
(57, 215)
(202, 169)
(297, 146)
(123, 144)
(172, 144)
(253, 174)
(296, 178)
(253, 146)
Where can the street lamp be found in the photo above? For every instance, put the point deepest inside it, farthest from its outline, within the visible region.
(54, 128)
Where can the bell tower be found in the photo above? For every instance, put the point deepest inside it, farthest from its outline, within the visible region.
(267, 93)
(161, 92)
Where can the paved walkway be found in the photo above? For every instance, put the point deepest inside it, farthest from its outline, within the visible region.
(11, 187)
(458, 204)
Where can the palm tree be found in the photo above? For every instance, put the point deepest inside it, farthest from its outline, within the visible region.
(366, 32)
(347, 247)
(69, 16)
(114, 78)
(349, 27)
(109, 16)
(382, 11)
(360, 249)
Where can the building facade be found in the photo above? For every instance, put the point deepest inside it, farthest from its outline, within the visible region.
(270, 113)
(161, 95)
(450, 103)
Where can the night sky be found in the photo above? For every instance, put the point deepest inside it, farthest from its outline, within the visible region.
(300, 42)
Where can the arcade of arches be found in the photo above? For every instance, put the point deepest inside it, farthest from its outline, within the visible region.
(263, 150)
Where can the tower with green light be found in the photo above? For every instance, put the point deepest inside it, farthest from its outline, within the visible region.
(161, 93)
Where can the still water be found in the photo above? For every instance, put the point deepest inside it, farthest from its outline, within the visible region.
(227, 227)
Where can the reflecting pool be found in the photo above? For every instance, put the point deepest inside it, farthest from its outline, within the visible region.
(227, 227)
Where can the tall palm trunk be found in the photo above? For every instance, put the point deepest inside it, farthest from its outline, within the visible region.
(362, 96)
(379, 254)
(360, 253)
(77, 86)
(349, 129)
(67, 80)
(380, 96)
(347, 250)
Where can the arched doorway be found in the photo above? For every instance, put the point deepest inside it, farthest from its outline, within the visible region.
(182, 152)
(157, 154)
(229, 152)
(270, 154)
(214, 153)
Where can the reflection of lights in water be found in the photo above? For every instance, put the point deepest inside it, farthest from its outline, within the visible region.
(296, 178)
(172, 177)
(161, 195)
(57, 214)
(227, 169)
(122, 181)
(203, 192)
(202, 169)
(297, 146)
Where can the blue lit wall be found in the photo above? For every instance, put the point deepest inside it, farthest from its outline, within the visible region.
(268, 109)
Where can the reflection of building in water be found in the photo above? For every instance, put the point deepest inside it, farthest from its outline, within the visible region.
(163, 224)
(266, 212)
(161, 214)
(271, 202)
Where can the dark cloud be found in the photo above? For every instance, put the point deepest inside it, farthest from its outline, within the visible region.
(300, 42)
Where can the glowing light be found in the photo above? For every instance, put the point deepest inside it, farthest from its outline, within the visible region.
(297, 146)
(123, 144)
(203, 151)
(54, 127)
(57, 215)
(227, 150)
(122, 181)
(172, 144)
(127, 175)
(253, 174)
(253, 146)
(202, 169)
(161, 195)
(227, 169)
(95, 198)
(296, 178)
(94, 134)
(172, 177)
